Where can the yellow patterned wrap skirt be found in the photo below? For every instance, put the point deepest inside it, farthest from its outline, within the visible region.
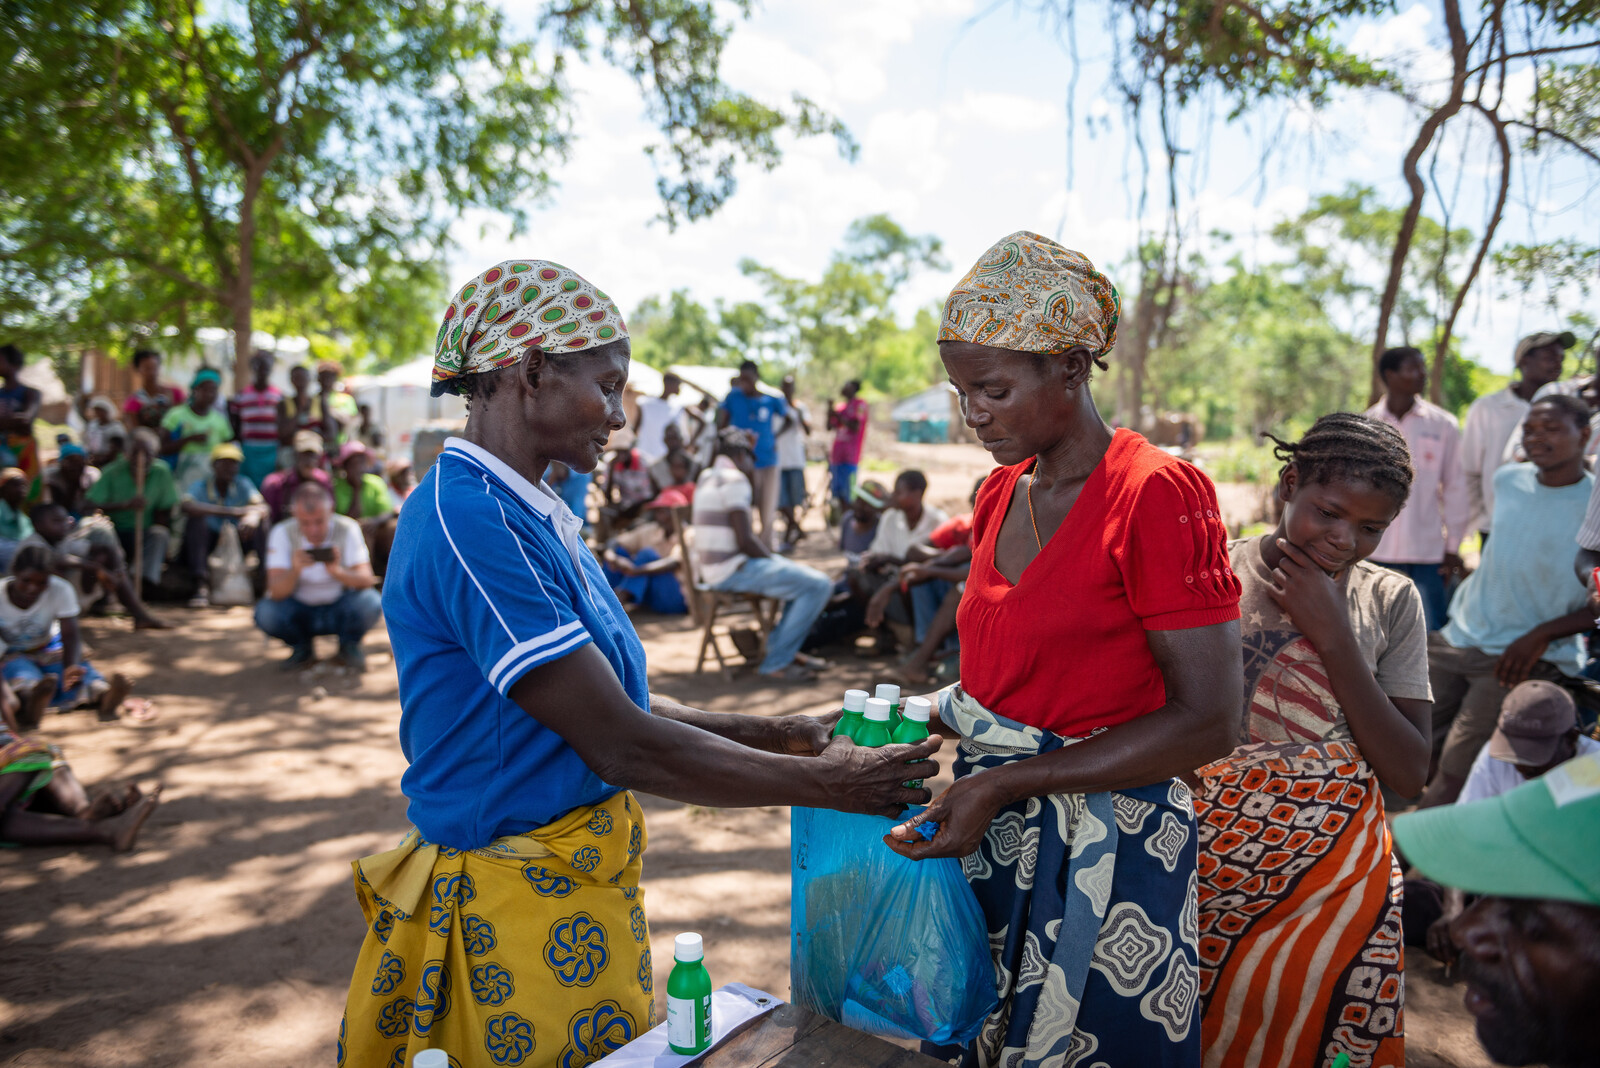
(532, 951)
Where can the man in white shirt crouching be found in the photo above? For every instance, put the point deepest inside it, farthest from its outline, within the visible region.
(319, 581)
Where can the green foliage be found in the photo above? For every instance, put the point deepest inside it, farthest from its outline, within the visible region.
(1241, 460)
(163, 164)
(837, 327)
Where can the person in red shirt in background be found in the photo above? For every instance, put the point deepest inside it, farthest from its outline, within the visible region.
(1099, 662)
(945, 558)
(848, 421)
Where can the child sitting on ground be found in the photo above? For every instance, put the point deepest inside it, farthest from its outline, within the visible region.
(43, 649)
(43, 803)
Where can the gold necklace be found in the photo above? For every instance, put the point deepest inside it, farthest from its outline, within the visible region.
(1031, 518)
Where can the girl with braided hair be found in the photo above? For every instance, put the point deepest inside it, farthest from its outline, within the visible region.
(1299, 893)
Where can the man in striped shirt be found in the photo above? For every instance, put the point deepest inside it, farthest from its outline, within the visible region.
(256, 413)
(728, 555)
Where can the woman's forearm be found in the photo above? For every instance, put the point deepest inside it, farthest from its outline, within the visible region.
(1396, 748)
(755, 732)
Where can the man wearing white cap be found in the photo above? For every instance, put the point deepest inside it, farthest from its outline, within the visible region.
(1529, 948)
(1495, 418)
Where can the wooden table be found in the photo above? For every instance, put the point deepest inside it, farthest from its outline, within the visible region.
(792, 1037)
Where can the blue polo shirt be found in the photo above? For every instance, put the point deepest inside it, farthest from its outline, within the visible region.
(756, 415)
(487, 581)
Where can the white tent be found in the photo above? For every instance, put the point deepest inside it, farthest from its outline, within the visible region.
(715, 381)
(401, 404)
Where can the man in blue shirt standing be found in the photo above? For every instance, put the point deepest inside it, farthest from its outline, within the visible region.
(765, 416)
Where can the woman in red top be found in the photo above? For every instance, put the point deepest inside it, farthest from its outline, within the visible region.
(1100, 603)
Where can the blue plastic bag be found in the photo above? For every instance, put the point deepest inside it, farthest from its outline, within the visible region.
(887, 945)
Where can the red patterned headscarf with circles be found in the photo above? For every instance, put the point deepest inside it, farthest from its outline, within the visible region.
(515, 306)
(1030, 294)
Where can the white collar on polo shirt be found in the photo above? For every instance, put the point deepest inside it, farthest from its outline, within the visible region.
(540, 497)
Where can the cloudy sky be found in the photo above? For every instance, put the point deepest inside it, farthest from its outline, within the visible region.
(960, 109)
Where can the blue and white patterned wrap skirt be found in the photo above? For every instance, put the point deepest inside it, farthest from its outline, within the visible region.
(1090, 905)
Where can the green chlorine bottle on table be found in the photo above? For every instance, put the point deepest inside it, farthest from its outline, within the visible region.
(913, 726)
(688, 997)
(888, 691)
(874, 731)
(855, 703)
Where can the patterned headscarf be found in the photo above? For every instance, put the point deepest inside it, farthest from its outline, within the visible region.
(514, 306)
(1030, 294)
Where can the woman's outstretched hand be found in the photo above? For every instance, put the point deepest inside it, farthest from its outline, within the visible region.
(963, 813)
(873, 780)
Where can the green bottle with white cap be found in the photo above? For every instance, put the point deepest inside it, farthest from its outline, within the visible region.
(874, 732)
(855, 703)
(688, 996)
(888, 691)
(913, 726)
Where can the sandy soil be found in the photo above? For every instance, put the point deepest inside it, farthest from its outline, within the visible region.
(227, 938)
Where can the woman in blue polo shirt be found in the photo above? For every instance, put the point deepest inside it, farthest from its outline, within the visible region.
(509, 924)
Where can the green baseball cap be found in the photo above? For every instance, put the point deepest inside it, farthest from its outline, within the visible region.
(1537, 841)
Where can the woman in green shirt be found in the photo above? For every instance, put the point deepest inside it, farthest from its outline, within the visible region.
(364, 497)
(193, 429)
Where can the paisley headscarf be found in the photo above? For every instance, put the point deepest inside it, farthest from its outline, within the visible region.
(1030, 294)
(514, 306)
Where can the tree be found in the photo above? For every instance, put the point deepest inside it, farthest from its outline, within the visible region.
(167, 164)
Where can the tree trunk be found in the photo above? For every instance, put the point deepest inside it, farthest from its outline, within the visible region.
(1459, 52)
(1490, 228)
(1138, 351)
(243, 295)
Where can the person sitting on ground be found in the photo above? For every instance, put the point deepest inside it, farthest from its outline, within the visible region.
(68, 480)
(902, 533)
(402, 480)
(89, 551)
(43, 650)
(14, 524)
(643, 564)
(282, 485)
(859, 527)
(1529, 948)
(627, 488)
(152, 399)
(99, 431)
(677, 467)
(728, 556)
(42, 803)
(792, 495)
(319, 581)
(1538, 731)
(1518, 615)
(117, 495)
(212, 503)
(364, 497)
(192, 430)
(945, 559)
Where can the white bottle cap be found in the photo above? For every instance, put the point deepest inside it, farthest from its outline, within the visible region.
(855, 700)
(889, 692)
(877, 710)
(431, 1058)
(917, 709)
(688, 947)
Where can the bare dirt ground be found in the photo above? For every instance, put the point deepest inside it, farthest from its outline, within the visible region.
(227, 938)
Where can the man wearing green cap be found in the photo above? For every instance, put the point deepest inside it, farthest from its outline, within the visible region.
(1529, 948)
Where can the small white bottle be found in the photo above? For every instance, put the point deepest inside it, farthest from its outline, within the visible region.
(431, 1058)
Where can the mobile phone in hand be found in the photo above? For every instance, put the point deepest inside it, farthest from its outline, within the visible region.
(324, 555)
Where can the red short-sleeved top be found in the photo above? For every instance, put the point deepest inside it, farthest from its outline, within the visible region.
(957, 530)
(1144, 548)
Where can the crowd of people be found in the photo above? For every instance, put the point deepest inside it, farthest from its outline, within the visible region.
(1193, 747)
(274, 499)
